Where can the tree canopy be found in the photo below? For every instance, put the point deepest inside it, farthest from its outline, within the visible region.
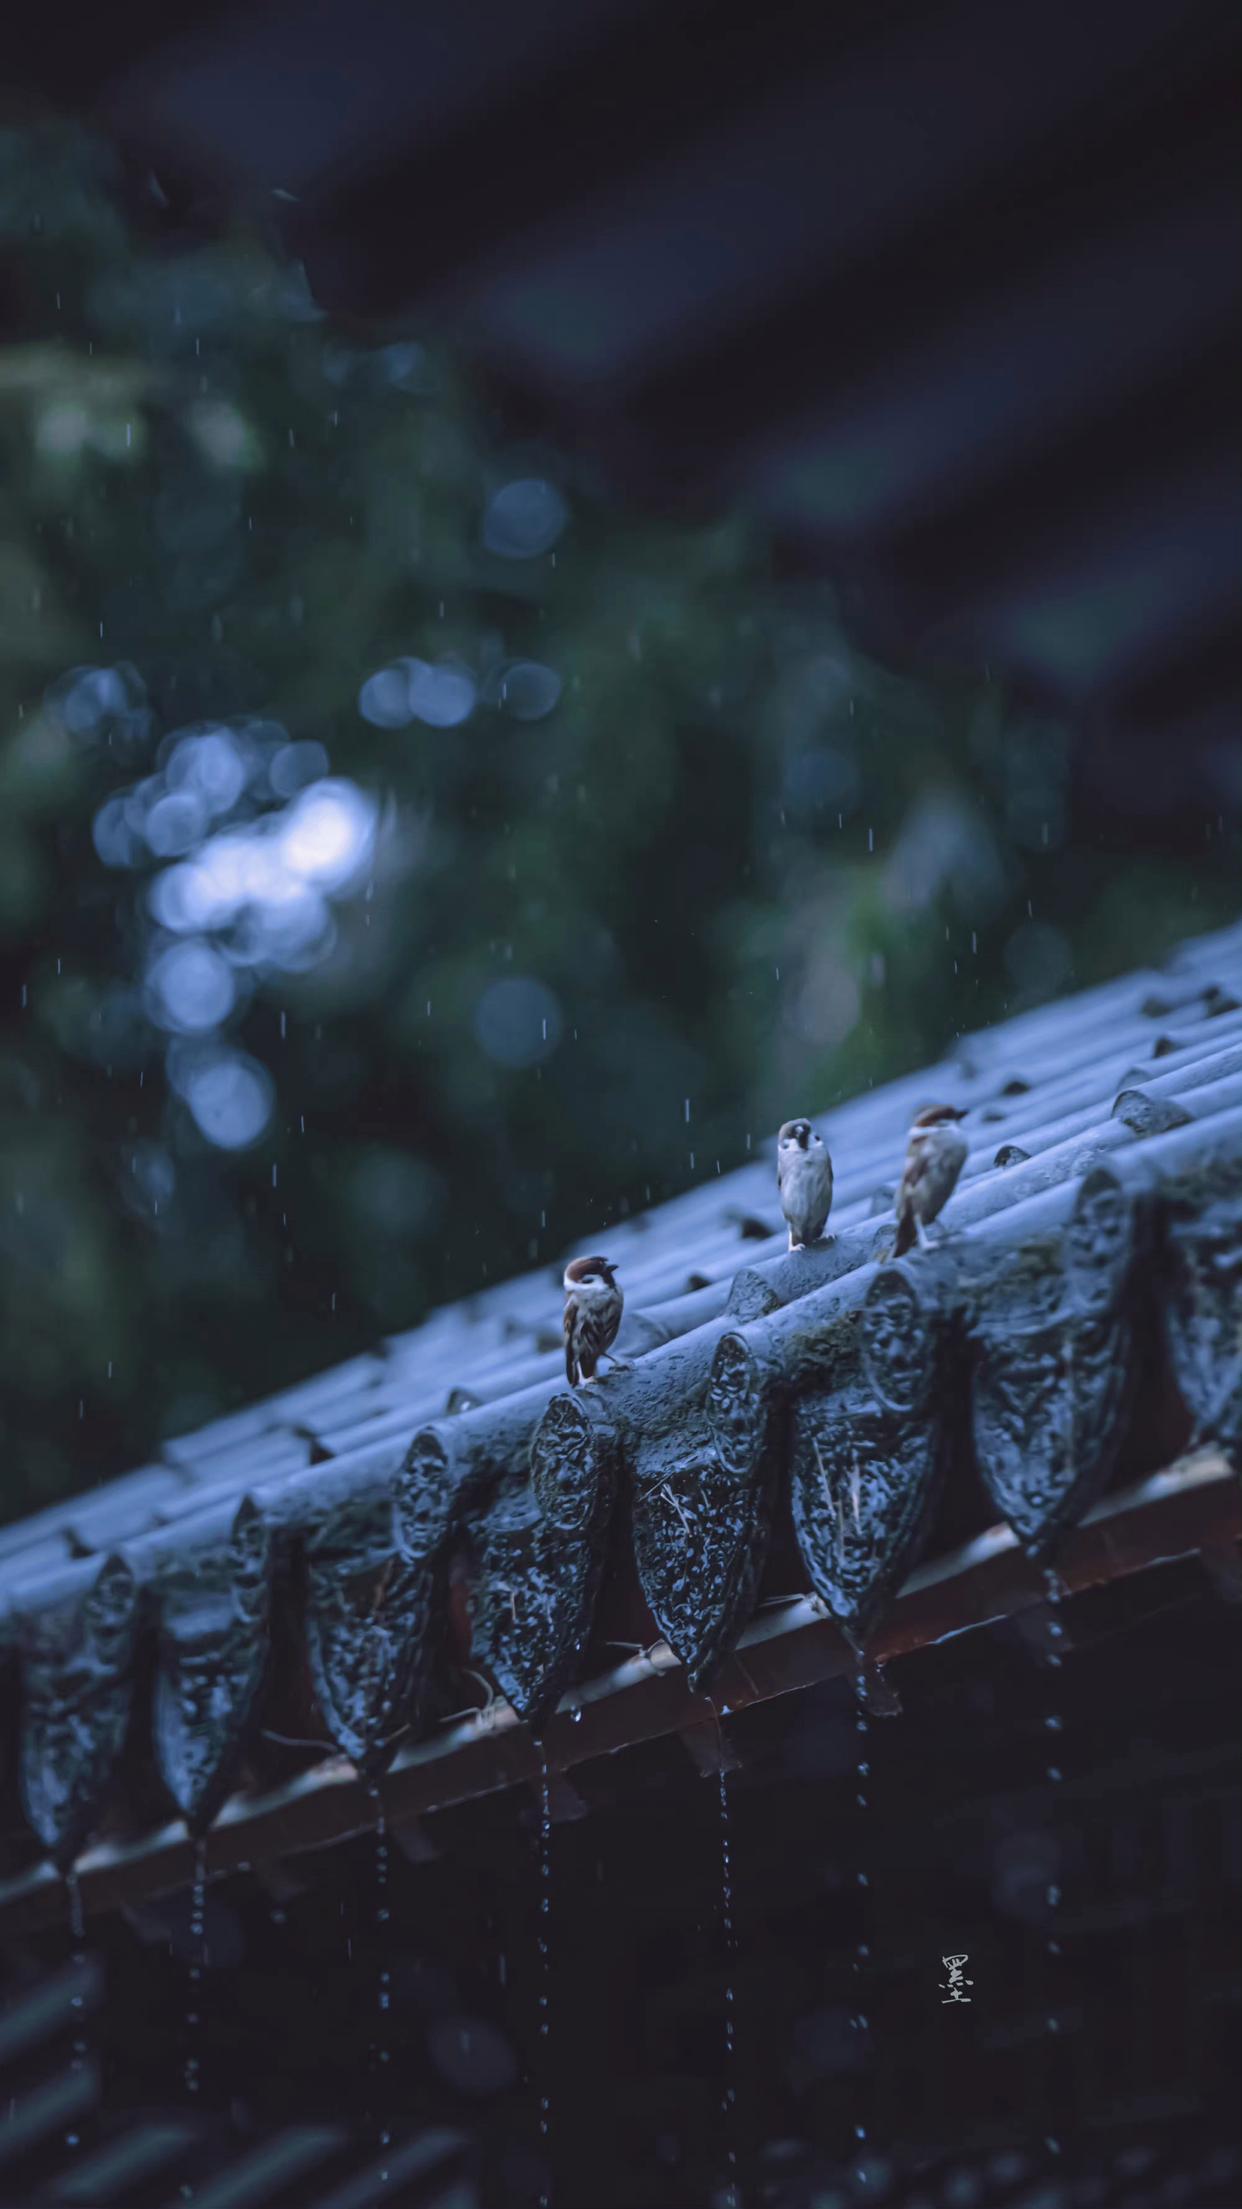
(411, 857)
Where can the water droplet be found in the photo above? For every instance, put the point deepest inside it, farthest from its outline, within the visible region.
(197, 1964)
(728, 2098)
(545, 1951)
(77, 1940)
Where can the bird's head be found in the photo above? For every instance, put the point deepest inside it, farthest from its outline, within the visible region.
(590, 1273)
(936, 1116)
(797, 1135)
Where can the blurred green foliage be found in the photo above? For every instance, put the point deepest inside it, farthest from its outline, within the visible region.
(745, 871)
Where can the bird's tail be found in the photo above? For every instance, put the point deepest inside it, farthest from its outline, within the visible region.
(571, 1374)
(905, 1237)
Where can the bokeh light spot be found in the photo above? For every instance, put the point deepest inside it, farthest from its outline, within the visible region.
(230, 1096)
(327, 837)
(384, 699)
(443, 695)
(518, 1021)
(528, 690)
(191, 987)
(524, 519)
(175, 823)
(295, 765)
(211, 764)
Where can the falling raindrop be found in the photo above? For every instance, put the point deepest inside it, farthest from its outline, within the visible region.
(728, 1933)
(77, 2000)
(1055, 1590)
(545, 1968)
(863, 1797)
(198, 1958)
(382, 2047)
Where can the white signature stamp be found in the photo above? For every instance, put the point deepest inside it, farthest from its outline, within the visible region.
(954, 1987)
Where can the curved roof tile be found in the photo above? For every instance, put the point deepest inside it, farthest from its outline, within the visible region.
(322, 1570)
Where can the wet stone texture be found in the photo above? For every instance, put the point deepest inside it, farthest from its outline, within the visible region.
(851, 1386)
(1052, 1343)
(702, 1478)
(77, 1655)
(214, 1596)
(535, 1566)
(370, 1583)
(1201, 1212)
(867, 1446)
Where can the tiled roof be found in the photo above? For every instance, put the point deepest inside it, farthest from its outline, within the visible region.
(324, 1564)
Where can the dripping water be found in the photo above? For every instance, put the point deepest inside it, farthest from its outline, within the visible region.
(381, 2045)
(192, 2067)
(1053, 1771)
(728, 1934)
(77, 2000)
(545, 1968)
(862, 1878)
(198, 1958)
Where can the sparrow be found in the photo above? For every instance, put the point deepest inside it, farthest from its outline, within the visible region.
(804, 1178)
(935, 1156)
(593, 1305)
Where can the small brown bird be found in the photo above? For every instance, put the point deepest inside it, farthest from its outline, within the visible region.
(804, 1178)
(593, 1306)
(935, 1157)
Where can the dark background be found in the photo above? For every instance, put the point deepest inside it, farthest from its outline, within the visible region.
(802, 451)
(1094, 2065)
(783, 468)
